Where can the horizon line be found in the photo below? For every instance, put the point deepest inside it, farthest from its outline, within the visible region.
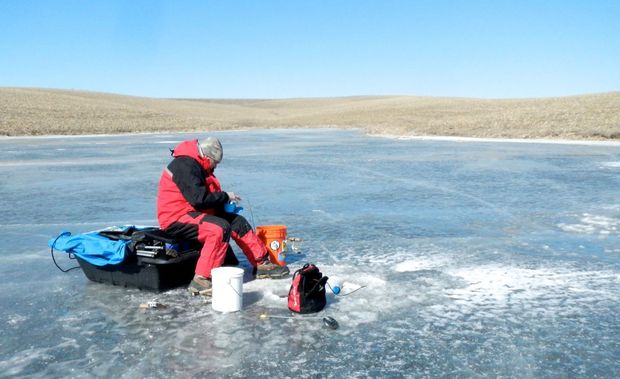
(306, 98)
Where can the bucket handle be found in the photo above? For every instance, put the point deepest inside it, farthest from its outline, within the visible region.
(233, 288)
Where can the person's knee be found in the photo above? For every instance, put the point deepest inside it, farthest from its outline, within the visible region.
(241, 226)
(219, 227)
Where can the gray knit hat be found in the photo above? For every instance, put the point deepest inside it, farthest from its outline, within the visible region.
(212, 148)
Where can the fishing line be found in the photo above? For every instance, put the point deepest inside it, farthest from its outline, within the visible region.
(328, 321)
(251, 213)
(346, 294)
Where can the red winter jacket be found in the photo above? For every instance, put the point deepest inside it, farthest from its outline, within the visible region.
(186, 185)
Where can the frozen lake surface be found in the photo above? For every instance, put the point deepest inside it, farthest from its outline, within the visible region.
(472, 259)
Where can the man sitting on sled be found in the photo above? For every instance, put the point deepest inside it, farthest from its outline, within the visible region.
(190, 206)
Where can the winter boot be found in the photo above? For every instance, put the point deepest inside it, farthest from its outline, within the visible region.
(200, 286)
(268, 270)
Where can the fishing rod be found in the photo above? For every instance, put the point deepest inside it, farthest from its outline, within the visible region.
(328, 321)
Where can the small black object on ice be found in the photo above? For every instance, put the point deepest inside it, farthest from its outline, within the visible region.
(330, 322)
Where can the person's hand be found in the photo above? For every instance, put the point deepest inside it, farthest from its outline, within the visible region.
(233, 197)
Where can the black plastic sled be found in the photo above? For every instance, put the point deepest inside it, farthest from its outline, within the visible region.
(153, 261)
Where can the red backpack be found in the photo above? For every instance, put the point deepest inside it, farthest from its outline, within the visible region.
(307, 293)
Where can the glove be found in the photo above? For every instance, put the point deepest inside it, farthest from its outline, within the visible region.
(233, 197)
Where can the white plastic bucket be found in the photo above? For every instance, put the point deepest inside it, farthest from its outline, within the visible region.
(227, 289)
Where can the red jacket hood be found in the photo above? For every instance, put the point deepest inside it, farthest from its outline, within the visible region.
(190, 148)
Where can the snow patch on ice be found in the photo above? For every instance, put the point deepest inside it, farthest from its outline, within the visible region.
(500, 284)
(496, 140)
(419, 265)
(592, 224)
(173, 142)
(15, 319)
(611, 164)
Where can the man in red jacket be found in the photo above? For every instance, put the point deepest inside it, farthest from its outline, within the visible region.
(190, 206)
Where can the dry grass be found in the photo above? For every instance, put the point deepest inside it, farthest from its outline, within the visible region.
(44, 112)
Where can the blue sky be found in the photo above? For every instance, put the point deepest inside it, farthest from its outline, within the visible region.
(288, 48)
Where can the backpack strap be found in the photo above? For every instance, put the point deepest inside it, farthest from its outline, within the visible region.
(320, 284)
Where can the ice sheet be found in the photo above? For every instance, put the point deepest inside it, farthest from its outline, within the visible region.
(456, 258)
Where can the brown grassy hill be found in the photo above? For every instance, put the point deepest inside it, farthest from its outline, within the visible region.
(41, 111)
